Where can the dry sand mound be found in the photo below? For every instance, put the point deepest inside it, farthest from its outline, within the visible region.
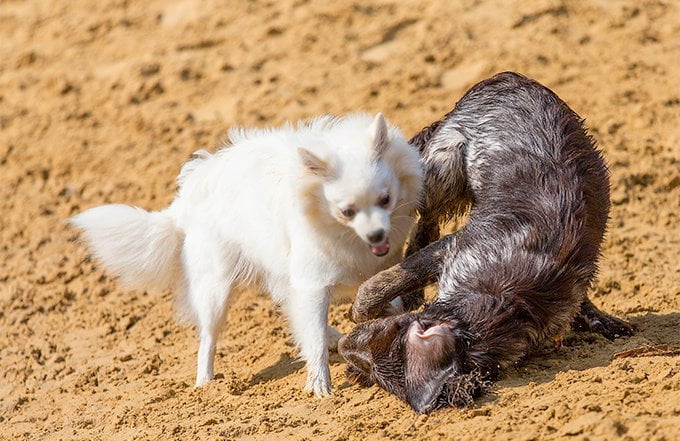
(102, 101)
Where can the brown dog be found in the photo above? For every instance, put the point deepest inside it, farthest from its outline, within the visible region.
(516, 274)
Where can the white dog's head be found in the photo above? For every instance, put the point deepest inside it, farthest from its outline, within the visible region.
(365, 185)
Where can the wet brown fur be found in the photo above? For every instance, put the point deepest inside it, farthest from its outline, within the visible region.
(517, 273)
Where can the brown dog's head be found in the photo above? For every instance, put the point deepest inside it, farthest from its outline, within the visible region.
(419, 359)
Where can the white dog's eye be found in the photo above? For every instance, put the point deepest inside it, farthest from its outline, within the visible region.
(384, 201)
(349, 213)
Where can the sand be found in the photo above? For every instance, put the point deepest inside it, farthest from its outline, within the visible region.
(102, 101)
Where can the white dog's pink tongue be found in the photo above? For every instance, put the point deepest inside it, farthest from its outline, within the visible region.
(382, 249)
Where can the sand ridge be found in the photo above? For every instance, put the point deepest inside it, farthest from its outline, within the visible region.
(102, 101)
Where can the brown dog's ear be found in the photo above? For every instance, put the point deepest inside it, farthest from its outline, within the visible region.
(379, 134)
(313, 164)
(448, 388)
(424, 396)
(433, 337)
(433, 359)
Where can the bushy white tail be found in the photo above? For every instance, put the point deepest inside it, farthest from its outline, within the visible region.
(140, 247)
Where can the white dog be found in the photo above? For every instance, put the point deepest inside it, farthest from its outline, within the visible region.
(305, 212)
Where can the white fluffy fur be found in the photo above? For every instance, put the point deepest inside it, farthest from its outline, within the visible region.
(267, 208)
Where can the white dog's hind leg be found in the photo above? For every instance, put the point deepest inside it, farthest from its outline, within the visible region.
(210, 313)
(206, 356)
(308, 314)
(209, 285)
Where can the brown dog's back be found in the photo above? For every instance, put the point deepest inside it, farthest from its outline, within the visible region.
(516, 274)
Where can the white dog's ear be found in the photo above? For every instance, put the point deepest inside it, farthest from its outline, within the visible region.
(379, 134)
(313, 164)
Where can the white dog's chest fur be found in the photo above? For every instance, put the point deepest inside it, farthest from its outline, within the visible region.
(248, 201)
(339, 261)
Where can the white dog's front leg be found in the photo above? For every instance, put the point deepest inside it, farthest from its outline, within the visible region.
(308, 314)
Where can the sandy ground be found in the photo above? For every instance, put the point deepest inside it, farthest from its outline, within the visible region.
(102, 101)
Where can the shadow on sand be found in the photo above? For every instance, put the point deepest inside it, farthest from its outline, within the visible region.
(581, 351)
(286, 365)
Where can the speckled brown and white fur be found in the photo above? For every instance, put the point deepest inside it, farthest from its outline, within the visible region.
(516, 274)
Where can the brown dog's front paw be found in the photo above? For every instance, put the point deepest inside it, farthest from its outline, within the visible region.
(357, 314)
(367, 305)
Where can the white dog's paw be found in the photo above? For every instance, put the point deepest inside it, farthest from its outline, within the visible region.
(332, 338)
(203, 378)
(319, 383)
(395, 307)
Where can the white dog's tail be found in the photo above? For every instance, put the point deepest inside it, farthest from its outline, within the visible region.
(140, 247)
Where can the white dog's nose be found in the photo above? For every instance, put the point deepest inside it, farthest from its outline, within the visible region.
(376, 236)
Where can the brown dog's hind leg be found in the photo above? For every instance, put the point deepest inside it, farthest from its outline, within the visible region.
(417, 271)
(591, 319)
